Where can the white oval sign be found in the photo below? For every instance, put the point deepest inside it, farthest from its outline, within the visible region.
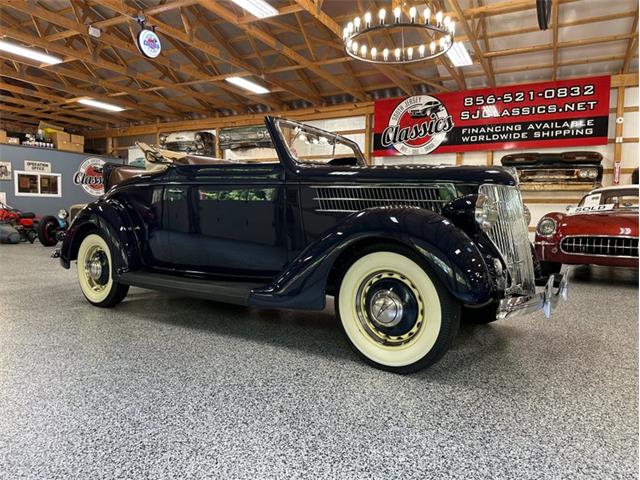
(149, 43)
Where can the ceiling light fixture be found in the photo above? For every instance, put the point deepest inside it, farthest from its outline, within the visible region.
(404, 36)
(459, 55)
(247, 85)
(102, 105)
(257, 8)
(29, 53)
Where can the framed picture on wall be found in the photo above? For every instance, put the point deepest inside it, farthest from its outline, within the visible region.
(5, 171)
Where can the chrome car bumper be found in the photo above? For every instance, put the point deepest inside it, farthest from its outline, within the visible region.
(557, 286)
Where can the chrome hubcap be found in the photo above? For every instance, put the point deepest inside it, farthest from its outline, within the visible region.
(386, 308)
(96, 269)
(389, 308)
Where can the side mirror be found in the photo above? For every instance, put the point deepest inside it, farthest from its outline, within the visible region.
(568, 207)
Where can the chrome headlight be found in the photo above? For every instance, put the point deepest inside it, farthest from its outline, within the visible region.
(547, 227)
(62, 214)
(592, 173)
(583, 173)
(486, 212)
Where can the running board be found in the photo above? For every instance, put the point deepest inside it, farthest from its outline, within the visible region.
(236, 293)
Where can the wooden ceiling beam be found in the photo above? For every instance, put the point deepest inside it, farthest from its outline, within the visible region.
(44, 107)
(109, 22)
(134, 111)
(488, 70)
(273, 42)
(633, 42)
(57, 100)
(201, 45)
(49, 116)
(101, 63)
(555, 11)
(567, 44)
(115, 41)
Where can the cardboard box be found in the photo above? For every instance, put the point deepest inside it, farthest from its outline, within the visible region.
(58, 138)
(3, 136)
(79, 139)
(71, 147)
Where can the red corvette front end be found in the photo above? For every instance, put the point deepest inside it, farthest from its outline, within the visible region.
(602, 230)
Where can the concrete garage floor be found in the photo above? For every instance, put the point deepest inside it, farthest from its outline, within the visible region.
(174, 387)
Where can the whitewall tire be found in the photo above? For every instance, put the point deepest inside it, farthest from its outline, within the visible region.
(95, 273)
(395, 312)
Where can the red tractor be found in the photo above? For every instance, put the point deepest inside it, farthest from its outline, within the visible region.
(17, 226)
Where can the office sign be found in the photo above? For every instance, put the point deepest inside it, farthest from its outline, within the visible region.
(33, 166)
(564, 113)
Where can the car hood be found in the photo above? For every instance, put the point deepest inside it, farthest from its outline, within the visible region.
(605, 223)
(470, 175)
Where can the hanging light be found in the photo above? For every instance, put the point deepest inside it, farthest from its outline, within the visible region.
(413, 11)
(396, 13)
(360, 33)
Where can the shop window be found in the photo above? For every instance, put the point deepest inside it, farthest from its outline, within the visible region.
(32, 184)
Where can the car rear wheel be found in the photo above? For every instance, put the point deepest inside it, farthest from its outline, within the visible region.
(47, 230)
(95, 273)
(395, 313)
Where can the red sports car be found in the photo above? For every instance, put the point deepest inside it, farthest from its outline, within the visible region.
(601, 230)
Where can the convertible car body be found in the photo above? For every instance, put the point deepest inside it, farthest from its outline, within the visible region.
(601, 230)
(403, 249)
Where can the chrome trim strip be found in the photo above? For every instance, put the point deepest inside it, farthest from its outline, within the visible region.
(570, 241)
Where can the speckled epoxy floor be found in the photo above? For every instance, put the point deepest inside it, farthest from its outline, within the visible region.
(168, 387)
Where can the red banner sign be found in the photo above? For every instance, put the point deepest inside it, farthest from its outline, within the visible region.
(565, 113)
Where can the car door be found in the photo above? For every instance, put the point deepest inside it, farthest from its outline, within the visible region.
(229, 219)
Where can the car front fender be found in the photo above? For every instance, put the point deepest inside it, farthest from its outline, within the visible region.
(107, 217)
(446, 249)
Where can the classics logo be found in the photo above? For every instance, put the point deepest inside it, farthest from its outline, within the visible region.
(418, 125)
(89, 176)
(149, 43)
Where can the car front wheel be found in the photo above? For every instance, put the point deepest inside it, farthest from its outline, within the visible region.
(95, 273)
(396, 313)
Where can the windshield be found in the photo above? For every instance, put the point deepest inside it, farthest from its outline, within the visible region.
(314, 146)
(618, 199)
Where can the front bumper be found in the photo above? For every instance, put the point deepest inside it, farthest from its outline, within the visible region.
(557, 286)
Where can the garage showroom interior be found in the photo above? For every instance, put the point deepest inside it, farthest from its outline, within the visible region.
(319, 239)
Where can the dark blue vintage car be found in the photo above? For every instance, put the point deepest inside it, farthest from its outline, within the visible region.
(405, 250)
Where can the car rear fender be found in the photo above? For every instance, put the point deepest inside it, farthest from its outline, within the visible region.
(446, 249)
(109, 218)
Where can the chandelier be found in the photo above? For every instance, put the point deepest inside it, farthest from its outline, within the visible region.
(400, 41)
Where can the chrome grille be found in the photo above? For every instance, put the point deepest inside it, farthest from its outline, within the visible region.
(353, 198)
(600, 246)
(510, 235)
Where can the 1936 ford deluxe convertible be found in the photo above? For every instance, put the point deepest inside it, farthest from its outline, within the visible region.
(405, 250)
